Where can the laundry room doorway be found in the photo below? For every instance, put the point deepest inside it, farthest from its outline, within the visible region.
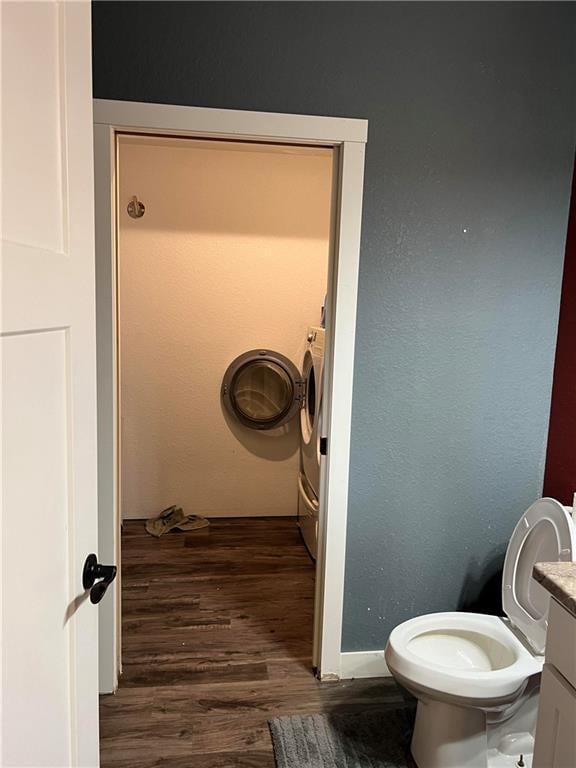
(227, 264)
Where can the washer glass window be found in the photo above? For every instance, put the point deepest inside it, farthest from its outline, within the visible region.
(311, 397)
(262, 391)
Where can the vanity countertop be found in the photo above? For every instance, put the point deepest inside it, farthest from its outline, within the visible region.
(560, 580)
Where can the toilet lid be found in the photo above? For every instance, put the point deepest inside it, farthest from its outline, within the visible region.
(544, 533)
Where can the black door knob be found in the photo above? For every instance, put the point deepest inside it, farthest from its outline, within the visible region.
(97, 578)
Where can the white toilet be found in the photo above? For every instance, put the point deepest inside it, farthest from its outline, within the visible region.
(477, 677)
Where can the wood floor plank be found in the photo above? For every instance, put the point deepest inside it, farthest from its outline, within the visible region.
(217, 639)
(250, 759)
(173, 675)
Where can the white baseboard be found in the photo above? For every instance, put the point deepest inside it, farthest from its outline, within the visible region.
(228, 513)
(354, 664)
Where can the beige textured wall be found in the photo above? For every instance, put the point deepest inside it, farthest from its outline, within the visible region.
(231, 255)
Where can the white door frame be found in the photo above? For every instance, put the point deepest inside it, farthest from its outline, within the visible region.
(348, 137)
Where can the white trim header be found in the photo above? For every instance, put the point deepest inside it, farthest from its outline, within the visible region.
(229, 123)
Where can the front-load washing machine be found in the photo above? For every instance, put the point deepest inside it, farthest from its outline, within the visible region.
(310, 435)
(263, 390)
(311, 410)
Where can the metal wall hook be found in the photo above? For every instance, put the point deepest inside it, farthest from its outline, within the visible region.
(136, 208)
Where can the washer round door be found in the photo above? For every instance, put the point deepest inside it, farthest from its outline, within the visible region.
(262, 389)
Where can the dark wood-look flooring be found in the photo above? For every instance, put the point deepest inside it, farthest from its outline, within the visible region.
(217, 639)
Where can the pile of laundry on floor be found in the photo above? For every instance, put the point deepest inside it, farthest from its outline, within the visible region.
(174, 518)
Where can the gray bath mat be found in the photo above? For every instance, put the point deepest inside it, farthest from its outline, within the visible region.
(373, 739)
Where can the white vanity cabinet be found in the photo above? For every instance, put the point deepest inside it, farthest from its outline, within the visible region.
(555, 745)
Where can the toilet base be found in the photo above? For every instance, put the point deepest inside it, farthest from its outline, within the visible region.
(449, 736)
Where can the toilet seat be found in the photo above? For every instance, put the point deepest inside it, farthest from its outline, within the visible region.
(465, 655)
(544, 533)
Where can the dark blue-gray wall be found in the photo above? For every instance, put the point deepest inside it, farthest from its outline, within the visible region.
(472, 113)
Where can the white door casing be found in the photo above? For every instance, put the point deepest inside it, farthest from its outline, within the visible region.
(49, 503)
(348, 137)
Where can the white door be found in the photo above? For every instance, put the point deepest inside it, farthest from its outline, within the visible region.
(49, 525)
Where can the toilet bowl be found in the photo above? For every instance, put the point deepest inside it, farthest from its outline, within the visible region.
(476, 677)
